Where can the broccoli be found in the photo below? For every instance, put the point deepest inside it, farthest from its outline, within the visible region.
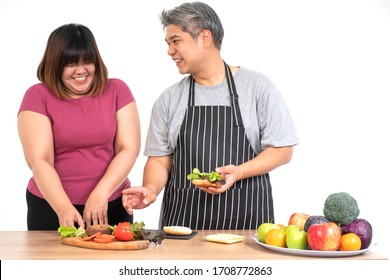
(341, 208)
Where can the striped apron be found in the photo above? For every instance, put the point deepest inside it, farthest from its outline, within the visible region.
(213, 136)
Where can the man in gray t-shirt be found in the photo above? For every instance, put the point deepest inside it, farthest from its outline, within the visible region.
(221, 118)
(265, 116)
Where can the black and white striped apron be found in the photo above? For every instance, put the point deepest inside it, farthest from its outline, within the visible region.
(213, 136)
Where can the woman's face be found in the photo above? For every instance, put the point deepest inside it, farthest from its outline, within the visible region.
(78, 77)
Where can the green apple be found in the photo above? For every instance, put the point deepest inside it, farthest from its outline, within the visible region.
(296, 239)
(289, 228)
(263, 229)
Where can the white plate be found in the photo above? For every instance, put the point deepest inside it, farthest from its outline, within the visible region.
(311, 253)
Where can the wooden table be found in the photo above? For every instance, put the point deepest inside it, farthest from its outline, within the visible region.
(46, 245)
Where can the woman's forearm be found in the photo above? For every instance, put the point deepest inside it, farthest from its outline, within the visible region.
(49, 184)
(127, 148)
(117, 171)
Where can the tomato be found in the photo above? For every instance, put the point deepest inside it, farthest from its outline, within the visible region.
(105, 236)
(276, 237)
(123, 232)
(102, 240)
(350, 242)
(91, 236)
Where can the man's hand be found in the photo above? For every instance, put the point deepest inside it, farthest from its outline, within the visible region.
(137, 198)
(230, 174)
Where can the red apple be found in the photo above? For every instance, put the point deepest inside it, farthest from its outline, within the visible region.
(324, 237)
(298, 219)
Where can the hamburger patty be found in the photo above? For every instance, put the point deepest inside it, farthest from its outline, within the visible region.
(105, 229)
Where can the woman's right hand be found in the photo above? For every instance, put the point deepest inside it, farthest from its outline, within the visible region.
(68, 216)
(137, 198)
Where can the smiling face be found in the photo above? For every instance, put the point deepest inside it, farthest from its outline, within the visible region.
(78, 78)
(184, 50)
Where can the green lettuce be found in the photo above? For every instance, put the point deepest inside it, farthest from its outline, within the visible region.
(197, 175)
(71, 231)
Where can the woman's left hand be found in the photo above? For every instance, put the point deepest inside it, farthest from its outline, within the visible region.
(95, 210)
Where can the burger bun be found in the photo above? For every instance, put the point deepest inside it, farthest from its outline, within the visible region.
(177, 230)
(206, 183)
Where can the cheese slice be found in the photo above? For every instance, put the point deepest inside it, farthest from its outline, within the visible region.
(226, 238)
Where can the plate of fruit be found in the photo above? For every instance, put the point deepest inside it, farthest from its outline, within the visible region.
(308, 252)
(339, 232)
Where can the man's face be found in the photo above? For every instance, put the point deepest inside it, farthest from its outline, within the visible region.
(184, 50)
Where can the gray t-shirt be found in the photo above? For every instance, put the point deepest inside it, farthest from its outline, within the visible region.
(266, 118)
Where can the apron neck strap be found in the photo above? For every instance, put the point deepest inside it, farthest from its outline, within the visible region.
(232, 90)
(233, 96)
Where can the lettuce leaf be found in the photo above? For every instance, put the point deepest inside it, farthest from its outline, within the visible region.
(197, 175)
(71, 231)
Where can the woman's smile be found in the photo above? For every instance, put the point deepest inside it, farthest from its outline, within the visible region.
(78, 78)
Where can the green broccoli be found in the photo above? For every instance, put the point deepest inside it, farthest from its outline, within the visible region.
(341, 208)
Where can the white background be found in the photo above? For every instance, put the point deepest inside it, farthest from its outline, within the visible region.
(329, 59)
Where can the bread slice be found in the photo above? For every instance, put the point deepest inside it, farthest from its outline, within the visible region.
(177, 230)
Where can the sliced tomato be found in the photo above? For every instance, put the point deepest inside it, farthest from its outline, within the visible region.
(105, 236)
(91, 236)
(123, 232)
(102, 240)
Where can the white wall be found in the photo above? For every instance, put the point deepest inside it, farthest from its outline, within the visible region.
(330, 60)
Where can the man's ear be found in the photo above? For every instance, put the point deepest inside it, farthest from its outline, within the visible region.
(206, 37)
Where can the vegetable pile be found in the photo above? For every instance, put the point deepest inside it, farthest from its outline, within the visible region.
(339, 228)
(124, 231)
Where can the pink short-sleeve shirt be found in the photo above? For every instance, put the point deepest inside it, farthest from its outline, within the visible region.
(83, 131)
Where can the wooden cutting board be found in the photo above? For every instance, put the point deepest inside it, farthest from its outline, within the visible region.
(114, 245)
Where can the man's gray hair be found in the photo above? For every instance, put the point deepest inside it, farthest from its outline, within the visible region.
(193, 18)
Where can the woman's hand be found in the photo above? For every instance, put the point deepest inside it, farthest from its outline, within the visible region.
(137, 198)
(68, 216)
(95, 210)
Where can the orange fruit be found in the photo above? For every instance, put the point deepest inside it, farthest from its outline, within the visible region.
(281, 226)
(276, 237)
(350, 242)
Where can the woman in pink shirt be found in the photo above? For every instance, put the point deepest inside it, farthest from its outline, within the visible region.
(80, 133)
